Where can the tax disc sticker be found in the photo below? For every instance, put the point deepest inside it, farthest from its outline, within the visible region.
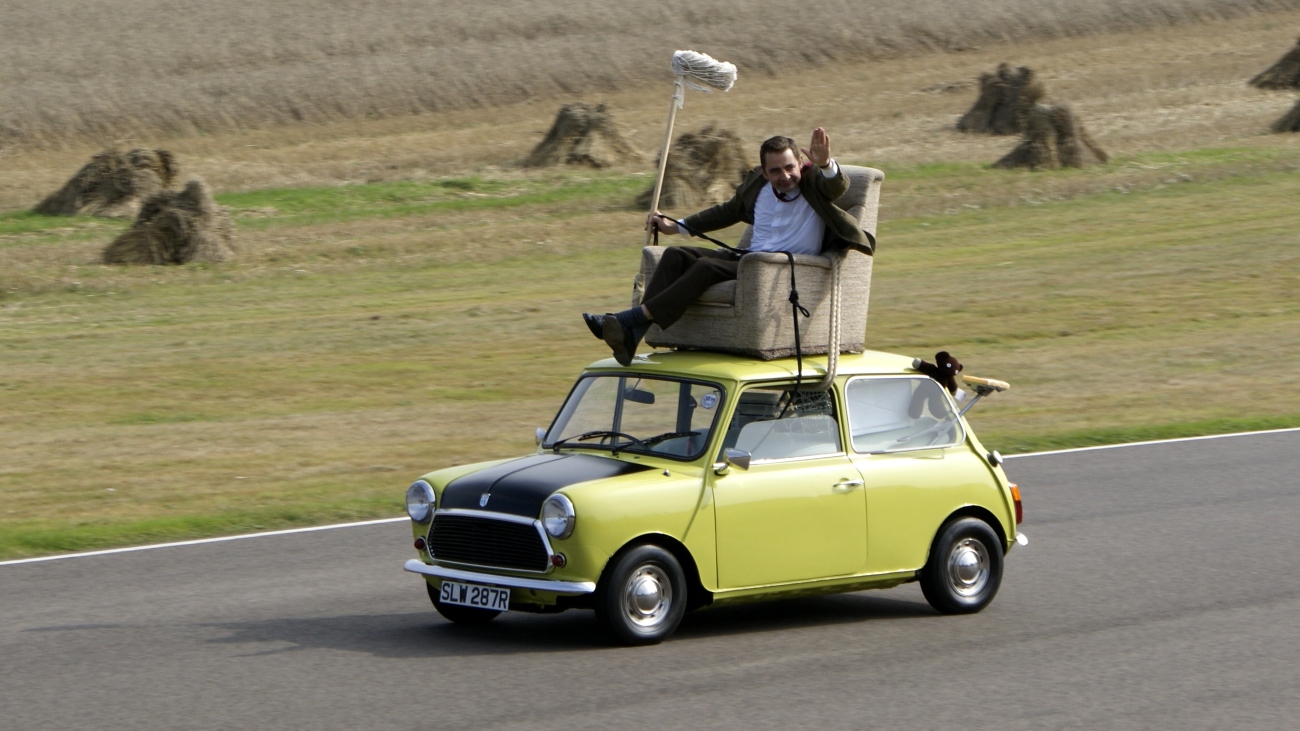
(709, 400)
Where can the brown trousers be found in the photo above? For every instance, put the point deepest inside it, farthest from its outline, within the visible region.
(684, 272)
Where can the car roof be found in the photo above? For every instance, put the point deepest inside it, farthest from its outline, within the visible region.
(723, 366)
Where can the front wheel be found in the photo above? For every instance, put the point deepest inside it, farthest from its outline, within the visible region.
(643, 597)
(457, 613)
(965, 567)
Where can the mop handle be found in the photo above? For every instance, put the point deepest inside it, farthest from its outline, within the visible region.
(679, 95)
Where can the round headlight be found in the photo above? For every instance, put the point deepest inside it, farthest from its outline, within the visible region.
(557, 516)
(420, 501)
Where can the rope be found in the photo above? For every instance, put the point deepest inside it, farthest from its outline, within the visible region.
(698, 234)
(833, 347)
(795, 310)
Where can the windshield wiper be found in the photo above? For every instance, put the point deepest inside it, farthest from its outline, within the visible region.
(598, 434)
(670, 435)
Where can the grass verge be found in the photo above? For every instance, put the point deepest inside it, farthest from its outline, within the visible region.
(366, 335)
(1026, 444)
(50, 537)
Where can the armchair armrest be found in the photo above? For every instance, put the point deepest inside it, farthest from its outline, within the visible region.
(650, 256)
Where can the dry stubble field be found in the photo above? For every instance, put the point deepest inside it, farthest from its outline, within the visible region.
(107, 69)
(372, 331)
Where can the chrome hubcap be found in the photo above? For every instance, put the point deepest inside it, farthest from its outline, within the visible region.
(968, 567)
(647, 595)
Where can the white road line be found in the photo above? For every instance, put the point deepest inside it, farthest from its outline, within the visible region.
(220, 539)
(290, 531)
(1154, 441)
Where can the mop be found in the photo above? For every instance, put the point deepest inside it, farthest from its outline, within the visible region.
(702, 73)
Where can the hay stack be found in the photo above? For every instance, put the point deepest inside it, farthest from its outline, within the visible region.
(582, 135)
(112, 184)
(1285, 74)
(1053, 138)
(1290, 122)
(703, 168)
(1005, 99)
(176, 228)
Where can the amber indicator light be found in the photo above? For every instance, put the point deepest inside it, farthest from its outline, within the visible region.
(420, 544)
(1020, 509)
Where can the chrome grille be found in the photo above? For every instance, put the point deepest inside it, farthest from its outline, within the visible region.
(487, 542)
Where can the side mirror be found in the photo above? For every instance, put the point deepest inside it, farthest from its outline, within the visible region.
(737, 458)
(539, 436)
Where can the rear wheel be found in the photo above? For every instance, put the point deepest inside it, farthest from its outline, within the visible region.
(457, 613)
(965, 567)
(642, 598)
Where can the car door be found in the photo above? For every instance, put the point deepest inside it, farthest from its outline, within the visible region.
(798, 512)
(908, 444)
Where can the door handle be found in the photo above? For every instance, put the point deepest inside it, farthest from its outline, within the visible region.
(846, 485)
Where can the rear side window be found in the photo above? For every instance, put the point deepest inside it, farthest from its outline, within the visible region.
(895, 414)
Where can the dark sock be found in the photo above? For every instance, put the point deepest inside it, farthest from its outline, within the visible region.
(633, 321)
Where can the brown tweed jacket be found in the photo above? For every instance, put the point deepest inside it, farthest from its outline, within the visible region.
(842, 230)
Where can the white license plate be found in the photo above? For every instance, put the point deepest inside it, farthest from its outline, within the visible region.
(473, 595)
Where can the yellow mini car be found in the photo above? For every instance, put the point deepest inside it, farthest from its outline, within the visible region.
(696, 479)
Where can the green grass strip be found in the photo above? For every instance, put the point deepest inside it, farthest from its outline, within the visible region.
(1025, 444)
(26, 222)
(49, 539)
(281, 207)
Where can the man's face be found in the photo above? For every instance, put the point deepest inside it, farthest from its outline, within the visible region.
(782, 170)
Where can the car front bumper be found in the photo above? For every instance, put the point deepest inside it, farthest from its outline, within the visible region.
(417, 566)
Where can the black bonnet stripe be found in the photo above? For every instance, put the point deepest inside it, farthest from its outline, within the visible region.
(520, 486)
(526, 465)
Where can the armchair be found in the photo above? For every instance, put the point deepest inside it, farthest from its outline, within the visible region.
(751, 315)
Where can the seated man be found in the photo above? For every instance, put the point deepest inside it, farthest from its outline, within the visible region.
(791, 208)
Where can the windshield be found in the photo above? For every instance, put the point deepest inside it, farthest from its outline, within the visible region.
(637, 414)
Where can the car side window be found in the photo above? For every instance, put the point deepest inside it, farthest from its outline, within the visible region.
(778, 423)
(895, 414)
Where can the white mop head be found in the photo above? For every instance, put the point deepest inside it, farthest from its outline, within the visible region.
(702, 68)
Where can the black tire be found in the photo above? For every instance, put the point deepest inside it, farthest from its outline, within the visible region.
(965, 567)
(642, 597)
(457, 613)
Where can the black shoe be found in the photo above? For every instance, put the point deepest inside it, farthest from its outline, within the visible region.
(596, 324)
(622, 342)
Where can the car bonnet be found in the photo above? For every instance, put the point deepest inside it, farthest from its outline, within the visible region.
(520, 486)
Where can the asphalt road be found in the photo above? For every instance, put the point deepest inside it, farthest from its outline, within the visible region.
(1158, 591)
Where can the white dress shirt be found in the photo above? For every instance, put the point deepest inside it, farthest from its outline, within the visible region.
(788, 225)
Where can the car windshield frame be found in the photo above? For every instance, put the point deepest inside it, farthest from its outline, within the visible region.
(627, 383)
